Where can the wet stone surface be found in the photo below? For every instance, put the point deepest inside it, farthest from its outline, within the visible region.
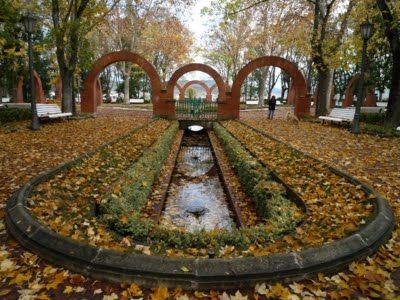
(196, 199)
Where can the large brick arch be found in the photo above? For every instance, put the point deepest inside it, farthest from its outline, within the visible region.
(197, 67)
(369, 93)
(88, 95)
(198, 82)
(302, 103)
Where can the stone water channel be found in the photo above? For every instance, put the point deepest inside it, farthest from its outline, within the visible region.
(196, 199)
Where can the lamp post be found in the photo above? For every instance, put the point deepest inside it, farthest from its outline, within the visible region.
(366, 32)
(29, 23)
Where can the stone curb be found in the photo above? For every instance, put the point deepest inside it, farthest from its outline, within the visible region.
(217, 273)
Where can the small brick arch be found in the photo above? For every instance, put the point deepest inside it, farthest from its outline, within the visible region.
(221, 111)
(193, 82)
(88, 94)
(370, 98)
(302, 103)
(39, 93)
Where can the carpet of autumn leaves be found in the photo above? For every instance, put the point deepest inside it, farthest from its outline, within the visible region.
(24, 154)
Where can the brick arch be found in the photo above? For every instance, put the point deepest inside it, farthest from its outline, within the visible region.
(88, 94)
(196, 67)
(302, 103)
(178, 86)
(198, 82)
(369, 92)
(39, 93)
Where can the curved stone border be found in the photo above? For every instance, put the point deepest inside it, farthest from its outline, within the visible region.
(112, 265)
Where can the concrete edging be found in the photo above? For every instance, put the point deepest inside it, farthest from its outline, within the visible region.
(216, 273)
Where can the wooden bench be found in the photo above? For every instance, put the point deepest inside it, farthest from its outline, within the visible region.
(340, 115)
(51, 111)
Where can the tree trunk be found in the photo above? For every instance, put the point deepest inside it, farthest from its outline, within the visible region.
(66, 79)
(324, 91)
(126, 88)
(271, 82)
(380, 96)
(261, 86)
(392, 118)
(309, 76)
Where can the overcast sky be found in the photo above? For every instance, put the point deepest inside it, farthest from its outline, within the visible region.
(197, 23)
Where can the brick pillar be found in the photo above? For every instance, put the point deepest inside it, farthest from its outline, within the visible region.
(99, 93)
(164, 106)
(291, 94)
(228, 109)
(303, 104)
(332, 100)
(39, 93)
(19, 95)
(59, 89)
(370, 100)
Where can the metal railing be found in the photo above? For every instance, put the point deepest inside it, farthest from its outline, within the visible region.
(195, 109)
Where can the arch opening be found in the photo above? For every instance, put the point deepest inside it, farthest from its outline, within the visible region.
(90, 91)
(302, 101)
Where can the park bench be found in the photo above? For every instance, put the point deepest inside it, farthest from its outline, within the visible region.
(136, 101)
(340, 115)
(51, 111)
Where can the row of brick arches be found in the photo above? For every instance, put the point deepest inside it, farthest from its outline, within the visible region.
(163, 92)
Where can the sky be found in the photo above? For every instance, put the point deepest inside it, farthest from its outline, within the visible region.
(195, 21)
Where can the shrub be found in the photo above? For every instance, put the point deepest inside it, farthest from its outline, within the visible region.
(14, 114)
(130, 193)
(264, 191)
(380, 130)
(373, 118)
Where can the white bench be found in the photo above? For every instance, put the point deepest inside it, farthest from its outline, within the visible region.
(51, 111)
(340, 115)
(136, 100)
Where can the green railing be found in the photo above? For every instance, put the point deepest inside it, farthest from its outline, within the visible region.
(195, 109)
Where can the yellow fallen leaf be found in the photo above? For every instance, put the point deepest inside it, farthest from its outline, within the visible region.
(68, 289)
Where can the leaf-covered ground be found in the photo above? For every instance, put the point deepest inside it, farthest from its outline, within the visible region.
(24, 154)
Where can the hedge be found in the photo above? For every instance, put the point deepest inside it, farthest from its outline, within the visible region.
(268, 195)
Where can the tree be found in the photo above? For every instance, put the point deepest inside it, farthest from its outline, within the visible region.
(72, 21)
(329, 29)
(229, 38)
(390, 22)
(151, 29)
(12, 47)
(167, 43)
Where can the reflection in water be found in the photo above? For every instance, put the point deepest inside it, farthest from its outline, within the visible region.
(196, 199)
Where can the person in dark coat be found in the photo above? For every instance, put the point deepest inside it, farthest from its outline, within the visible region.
(271, 107)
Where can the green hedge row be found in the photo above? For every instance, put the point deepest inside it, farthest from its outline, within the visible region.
(268, 195)
(129, 194)
(14, 114)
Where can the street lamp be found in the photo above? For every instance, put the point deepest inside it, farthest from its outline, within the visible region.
(366, 32)
(29, 23)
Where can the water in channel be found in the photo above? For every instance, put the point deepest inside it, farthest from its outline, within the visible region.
(196, 199)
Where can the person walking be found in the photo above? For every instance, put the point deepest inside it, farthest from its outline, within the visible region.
(271, 107)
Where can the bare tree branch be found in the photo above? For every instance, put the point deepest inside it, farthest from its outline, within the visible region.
(248, 7)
